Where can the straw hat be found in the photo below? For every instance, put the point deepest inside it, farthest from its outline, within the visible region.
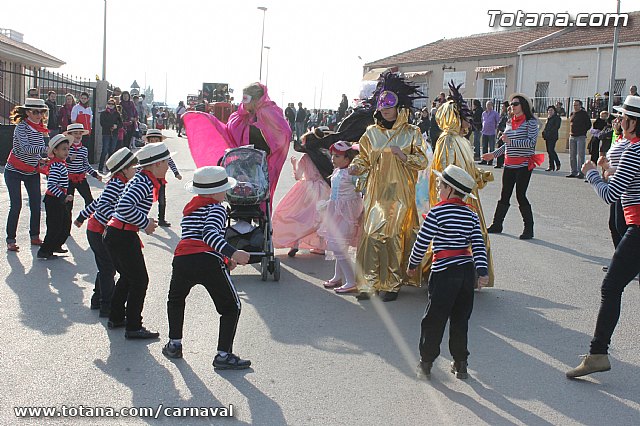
(57, 140)
(153, 153)
(75, 127)
(458, 179)
(631, 106)
(119, 159)
(34, 103)
(210, 180)
(523, 96)
(156, 133)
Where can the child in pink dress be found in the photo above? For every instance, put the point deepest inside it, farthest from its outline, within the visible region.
(295, 218)
(341, 219)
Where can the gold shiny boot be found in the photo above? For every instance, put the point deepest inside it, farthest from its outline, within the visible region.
(591, 363)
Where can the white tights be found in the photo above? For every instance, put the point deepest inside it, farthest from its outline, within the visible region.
(344, 270)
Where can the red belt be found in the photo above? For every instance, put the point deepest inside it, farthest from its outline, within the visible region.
(77, 177)
(632, 214)
(191, 246)
(118, 224)
(18, 164)
(444, 254)
(94, 226)
(64, 190)
(534, 161)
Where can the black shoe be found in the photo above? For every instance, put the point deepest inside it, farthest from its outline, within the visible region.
(390, 296)
(164, 223)
(44, 255)
(494, 229)
(143, 333)
(230, 362)
(104, 312)
(111, 324)
(605, 269)
(60, 250)
(363, 295)
(459, 368)
(572, 175)
(292, 252)
(526, 235)
(489, 163)
(497, 166)
(424, 370)
(550, 169)
(172, 351)
(483, 162)
(580, 176)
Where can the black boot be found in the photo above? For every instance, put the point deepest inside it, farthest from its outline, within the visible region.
(527, 217)
(498, 218)
(161, 211)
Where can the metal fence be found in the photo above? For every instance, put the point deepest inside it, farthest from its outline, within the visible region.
(16, 80)
(593, 106)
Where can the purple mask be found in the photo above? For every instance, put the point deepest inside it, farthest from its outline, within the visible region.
(386, 100)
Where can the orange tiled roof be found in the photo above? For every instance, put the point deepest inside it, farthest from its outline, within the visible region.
(495, 43)
(590, 36)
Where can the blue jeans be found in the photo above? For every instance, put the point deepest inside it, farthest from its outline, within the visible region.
(477, 136)
(108, 146)
(32, 185)
(488, 143)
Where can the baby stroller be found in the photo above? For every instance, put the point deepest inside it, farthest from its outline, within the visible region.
(136, 140)
(249, 211)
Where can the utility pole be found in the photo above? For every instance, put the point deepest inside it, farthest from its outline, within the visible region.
(612, 82)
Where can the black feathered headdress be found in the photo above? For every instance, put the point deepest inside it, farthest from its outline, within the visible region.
(405, 91)
(461, 104)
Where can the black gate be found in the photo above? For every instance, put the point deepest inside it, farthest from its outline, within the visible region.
(16, 80)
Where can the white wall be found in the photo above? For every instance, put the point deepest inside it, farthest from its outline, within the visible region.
(558, 67)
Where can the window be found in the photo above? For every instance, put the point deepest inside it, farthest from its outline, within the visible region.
(618, 86)
(421, 103)
(541, 99)
(494, 89)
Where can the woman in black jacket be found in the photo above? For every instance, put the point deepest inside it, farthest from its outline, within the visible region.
(550, 135)
(110, 121)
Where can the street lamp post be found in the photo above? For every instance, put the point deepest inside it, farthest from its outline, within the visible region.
(614, 57)
(104, 44)
(264, 15)
(266, 78)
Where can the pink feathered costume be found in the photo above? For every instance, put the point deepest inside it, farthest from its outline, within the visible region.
(209, 137)
(295, 219)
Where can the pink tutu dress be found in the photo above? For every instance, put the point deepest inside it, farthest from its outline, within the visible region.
(342, 214)
(295, 219)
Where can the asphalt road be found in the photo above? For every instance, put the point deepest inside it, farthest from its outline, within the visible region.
(320, 358)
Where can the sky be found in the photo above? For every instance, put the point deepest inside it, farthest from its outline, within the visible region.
(317, 49)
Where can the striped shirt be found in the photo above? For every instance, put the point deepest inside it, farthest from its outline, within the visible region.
(451, 227)
(58, 179)
(522, 143)
(134, 205)
(625, 183)
(615, 152)
(173, 167)
(80, 164)
(208, 224)
(103, 207)
(28, 147)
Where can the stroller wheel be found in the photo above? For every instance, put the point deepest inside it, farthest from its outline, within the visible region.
(276, 270)
(264, 268)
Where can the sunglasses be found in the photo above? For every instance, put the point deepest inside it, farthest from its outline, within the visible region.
(38, 111)
(514, 103)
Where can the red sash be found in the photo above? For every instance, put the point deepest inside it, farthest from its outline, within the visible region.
(118, 224)
(94, 226)
(190, 246)
(632, 214)
(444, 254)
(534, 161)
(77, 177)
(18, 164)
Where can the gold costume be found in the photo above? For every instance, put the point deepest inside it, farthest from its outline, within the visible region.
(390, 219)
(452, 148)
